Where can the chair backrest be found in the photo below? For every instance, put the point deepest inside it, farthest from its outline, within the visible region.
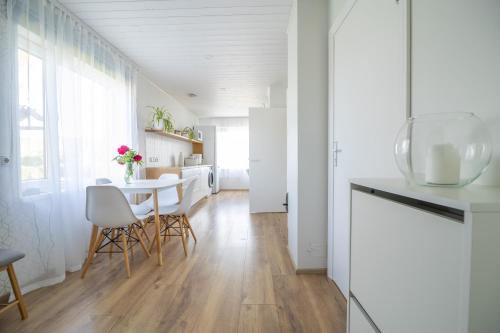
(101, 181)
(166, 197)
(107, 206)
(185, 204)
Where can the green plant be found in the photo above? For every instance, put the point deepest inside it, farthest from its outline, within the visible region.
(189, 131)
(162, 117)
(168, 123)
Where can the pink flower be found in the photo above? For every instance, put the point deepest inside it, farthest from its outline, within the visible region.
(122, 150)
(137, 158)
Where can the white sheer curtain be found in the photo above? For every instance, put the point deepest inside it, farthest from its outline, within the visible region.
(232, 151)
(67, 102)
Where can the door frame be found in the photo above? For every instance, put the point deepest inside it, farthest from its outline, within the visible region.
(337, 24)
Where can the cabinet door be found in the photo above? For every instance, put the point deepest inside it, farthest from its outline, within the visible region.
(407, 266)
(358, 322)
(193, 173)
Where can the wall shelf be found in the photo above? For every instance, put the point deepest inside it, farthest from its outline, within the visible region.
(197, 145)
(172, 135)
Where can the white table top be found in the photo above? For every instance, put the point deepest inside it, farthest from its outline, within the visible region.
(473, 198)
(146, 185)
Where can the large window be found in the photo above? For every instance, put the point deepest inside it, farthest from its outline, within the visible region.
(31, 117)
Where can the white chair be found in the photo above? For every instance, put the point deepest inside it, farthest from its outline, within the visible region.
(102, 181)
(166, 197)
(137, 209)
(108, 210)
(177, 214)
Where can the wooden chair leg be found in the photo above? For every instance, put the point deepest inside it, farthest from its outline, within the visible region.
(166, 233)
(186, 220)
(183, 235)
(141, 241)
(92, 249)
(17, 291)
(113, 235)
(143, 229)
(152, 244)
(125, 251)
(128, 239)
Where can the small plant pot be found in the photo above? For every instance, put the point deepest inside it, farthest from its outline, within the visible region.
(157, 126)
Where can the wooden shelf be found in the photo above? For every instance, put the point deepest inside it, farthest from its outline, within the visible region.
(172, 136)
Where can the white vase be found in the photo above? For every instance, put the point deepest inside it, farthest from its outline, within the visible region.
(158, 125)
(181, 159)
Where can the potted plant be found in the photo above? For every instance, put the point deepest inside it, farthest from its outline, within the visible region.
(189, 132)
(162, 119)
(128, 157)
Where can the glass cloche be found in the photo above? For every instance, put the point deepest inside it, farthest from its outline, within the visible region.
(443, 149)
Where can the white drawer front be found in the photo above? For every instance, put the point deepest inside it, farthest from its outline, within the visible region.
(407, 266)
(358, 323)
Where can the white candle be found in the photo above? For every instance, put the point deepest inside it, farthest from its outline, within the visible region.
(442, 165)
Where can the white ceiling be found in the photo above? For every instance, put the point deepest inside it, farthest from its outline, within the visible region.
(226, 51)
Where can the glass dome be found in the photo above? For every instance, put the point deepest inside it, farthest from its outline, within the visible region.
(443, 149)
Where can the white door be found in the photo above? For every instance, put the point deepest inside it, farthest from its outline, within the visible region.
(267, 151)
(369, 107)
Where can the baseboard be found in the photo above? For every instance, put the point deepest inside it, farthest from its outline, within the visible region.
(233, 190)
(318, 271)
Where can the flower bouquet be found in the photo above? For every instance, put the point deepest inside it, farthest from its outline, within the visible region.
(128, 157)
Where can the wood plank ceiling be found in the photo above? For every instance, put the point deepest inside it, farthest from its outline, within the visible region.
(227, 52)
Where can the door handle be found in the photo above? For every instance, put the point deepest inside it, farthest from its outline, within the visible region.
(336, 151)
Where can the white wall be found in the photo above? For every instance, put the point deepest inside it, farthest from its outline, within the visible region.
(334, 7)
(456, 63)
(276, 95)
(292, 136)
(307, 127)
(164, 149)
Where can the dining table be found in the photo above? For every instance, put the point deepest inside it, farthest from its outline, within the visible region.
(152, 186)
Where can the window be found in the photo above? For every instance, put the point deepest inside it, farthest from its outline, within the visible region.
(31, 117)
(232, 147)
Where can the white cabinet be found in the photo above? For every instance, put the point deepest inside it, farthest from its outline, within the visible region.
(424, 259)
(202, 188)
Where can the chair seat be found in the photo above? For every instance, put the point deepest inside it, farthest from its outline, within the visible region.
(168, 210)
(8, 256)
(163, 201)
(140, 209)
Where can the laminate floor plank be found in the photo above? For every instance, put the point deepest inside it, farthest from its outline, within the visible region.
(258, 319)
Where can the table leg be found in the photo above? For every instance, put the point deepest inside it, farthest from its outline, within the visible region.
(157, 226)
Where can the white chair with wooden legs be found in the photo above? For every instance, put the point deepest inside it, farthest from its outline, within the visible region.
(166, 197)
(109, 212)
(174, 217)
(7, 259)
(138, 210)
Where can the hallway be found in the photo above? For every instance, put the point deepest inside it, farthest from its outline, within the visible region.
(238, 278)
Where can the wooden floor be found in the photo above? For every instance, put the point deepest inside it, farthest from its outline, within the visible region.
(238, 278)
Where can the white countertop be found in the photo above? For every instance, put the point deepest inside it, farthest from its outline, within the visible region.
(194, 166)
(473, 198)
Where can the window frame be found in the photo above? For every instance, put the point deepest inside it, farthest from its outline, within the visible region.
(30, 43)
